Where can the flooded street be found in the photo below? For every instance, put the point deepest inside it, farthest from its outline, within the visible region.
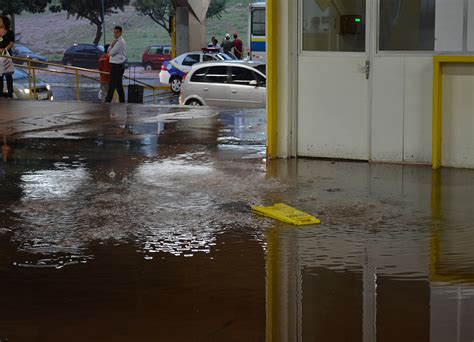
(133, 223)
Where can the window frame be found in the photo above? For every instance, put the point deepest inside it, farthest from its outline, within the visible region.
(368, 36)
(372, 39)
(191, 54)
(204, 68)
(217, 75)
(250, 70)
(397, 53)
(252, 29)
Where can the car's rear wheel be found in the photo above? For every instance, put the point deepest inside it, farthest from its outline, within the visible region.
(148, 67)
(193, 102)
(175, 85)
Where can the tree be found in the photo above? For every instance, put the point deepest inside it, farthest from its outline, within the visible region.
(14, 7)
(160, 10)
(92, 11)
(9, 7)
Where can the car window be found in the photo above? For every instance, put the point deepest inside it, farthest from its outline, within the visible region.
(199, 75)
(80, 48)
(22, 49)
(166, 51)
(217, 74)
(262, 68)
(20, 75)
(190, 60)
(242, 76)
(262, 81)
(155, 50)
(226, 56)
(90, 49)
(207, 58)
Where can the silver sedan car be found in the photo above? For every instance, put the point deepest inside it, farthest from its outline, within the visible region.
(225, 84)
(21, 90)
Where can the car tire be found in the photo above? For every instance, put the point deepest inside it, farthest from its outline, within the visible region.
(175, 84)
(194, 103)
(148, 67)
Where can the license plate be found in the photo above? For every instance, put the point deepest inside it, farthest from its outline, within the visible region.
(43, 96)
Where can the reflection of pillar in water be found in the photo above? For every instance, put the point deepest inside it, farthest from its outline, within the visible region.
(283, 287)
(369, 319)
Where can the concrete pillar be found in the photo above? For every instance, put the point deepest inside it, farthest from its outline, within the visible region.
(182, 30)
(287, 95)
(190, 24)
(197, 34)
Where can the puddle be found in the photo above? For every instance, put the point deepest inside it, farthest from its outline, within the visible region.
(110, 225)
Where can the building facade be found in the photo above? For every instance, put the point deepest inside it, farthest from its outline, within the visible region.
(355, 79)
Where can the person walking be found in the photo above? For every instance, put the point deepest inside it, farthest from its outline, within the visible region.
(227, 44)
(117, 60)
(104, 66)
(7, 39)
(238, 47)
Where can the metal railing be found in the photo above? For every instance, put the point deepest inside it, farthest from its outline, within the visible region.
(77, 72)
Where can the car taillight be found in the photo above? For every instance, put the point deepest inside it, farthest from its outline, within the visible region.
(184, 78)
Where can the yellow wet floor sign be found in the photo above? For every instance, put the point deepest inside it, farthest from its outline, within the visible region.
(285, 213)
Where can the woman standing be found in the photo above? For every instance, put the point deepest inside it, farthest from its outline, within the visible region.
(7, 39)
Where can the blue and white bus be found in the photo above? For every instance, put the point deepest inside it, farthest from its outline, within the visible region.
(257, 31)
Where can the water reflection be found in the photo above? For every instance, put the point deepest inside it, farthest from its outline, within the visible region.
(60, 182)
(409, 279)
(134, 223)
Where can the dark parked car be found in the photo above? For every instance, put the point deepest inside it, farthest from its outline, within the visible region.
(154, 56)
(83, 55)
(20, 50)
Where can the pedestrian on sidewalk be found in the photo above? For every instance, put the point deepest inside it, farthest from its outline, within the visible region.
(227, 44)
(104, 66)
(7, 39)
(238, 47)
(117, 68)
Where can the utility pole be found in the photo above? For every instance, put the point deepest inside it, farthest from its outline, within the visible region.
(103, 21)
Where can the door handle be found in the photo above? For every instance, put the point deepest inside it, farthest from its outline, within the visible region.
(234, 91)
(206, 89)
(367, 69)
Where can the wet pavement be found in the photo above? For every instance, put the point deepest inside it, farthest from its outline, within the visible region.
(132, 223)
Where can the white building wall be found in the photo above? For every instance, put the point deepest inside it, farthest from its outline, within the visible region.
(398, 124)
(402, 109)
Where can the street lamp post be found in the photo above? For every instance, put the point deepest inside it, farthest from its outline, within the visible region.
(103, 21)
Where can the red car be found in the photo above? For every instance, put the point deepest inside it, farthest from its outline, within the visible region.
(155, 55)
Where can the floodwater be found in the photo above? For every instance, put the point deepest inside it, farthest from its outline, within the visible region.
(133, 224)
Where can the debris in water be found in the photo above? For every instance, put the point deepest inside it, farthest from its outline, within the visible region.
(285, 213)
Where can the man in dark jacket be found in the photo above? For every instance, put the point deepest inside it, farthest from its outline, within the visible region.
(227, 44)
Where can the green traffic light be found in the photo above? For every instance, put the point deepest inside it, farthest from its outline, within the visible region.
(358, 20)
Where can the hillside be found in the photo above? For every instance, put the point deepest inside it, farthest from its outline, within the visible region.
(51, 33)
